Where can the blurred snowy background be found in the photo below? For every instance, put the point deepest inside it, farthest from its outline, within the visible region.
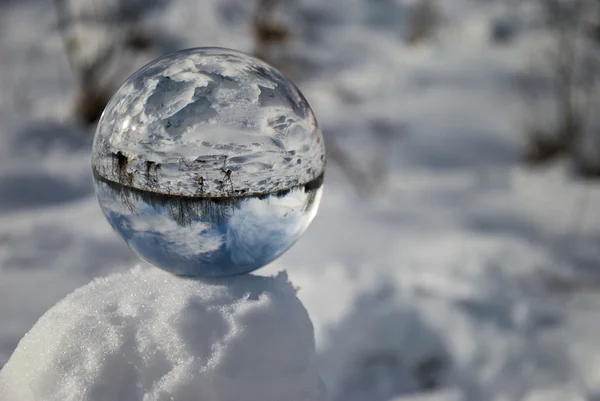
(456, 253)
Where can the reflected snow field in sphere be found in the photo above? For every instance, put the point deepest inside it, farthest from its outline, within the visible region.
(208, 162)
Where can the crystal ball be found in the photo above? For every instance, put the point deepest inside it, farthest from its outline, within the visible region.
(208, 162)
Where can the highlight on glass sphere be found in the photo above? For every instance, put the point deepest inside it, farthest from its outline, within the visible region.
(208, 162)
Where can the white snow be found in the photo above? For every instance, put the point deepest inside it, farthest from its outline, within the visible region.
(149, 335)
(462, 269)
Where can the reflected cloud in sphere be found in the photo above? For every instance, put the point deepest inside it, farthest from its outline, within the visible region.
(208, 237)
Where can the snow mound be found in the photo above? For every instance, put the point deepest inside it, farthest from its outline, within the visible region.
(148, 335)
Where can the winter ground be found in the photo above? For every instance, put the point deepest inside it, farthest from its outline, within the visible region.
(462, 276)
(168, 338)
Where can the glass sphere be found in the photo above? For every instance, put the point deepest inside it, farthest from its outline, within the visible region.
(208, 162)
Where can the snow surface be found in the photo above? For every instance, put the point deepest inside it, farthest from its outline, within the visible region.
(149, 335)
(464, 276)
(201, 112)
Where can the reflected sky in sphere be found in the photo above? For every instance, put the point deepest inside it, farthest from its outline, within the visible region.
(208, 237)
(208, 162)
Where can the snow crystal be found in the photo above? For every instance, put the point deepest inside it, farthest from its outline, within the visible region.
(148, 335)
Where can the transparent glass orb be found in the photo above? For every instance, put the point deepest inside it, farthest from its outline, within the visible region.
(208, 162)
